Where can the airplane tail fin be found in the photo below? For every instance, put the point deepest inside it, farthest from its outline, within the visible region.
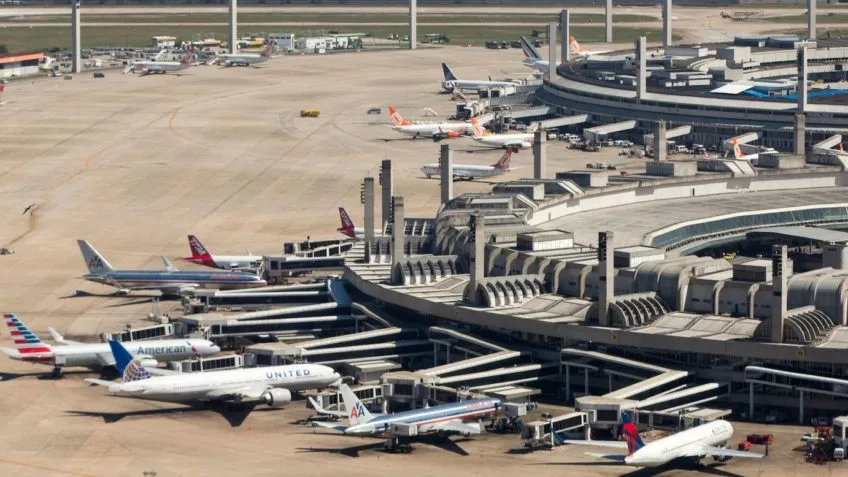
(198, 251)
(631, 434)
(503, 163)
(574, 45)
(397, 119)
(266, 52)
(24, 339)
(93, 260)
(130, 369)
(347, 227)
(188, 57)
(168, 265)
(449, 76)
(357, 413)
(476, 129)
(529, 50)
(737, 151)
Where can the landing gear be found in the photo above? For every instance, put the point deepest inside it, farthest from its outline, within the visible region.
(396, 444)
(56, 373)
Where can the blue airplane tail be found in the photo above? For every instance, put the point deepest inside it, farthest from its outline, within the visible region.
(449, 76)
(122, 356)
(130, 369)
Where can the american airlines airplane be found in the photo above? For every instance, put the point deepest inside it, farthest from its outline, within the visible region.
(351, 230)
(442, 419)
(202, 256)
(244, 59)
(437, 131)
(272, 385)
(511, 141)
(160, 67)
(30, 348)
(169, 280)
(470, 172)
(452, 83)
(706, 440)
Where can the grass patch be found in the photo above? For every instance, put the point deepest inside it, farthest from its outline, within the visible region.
(840, 18)
(329, 18)
(22, 39)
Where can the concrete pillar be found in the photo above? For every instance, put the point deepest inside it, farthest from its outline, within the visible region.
(642, 74)
(477, 269)
(660, 148)
(811, 19)
(413, 24)
(564, 36)
(552, 43)
(386, 184)
(76, 38)
(666, 23)
(606, 276)
(446, 170)
(608, 21)
(540, 160)
(780, 280)
(800, 133)
(801, 407)
(397, 233)
(233, 26)
(368, 201)
(750, 401)
(801, 64)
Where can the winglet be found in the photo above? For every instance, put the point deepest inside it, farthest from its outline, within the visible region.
(168, 265)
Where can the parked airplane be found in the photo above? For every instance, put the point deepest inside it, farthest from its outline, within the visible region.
(442, 419)
(533, 58)
(706, 440)
(739, 155)
(160, 67)
(511, 141)
(470, 172)
(169, 280)
(244, 59)
(202, 256)
(437, 131)
(451, 82)
(349, 229)
(29, 347)
(272, 385)
(579, 51)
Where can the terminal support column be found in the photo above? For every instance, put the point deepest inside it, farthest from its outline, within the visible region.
(233, 26)
(397, 237)
(801, 64)
(606, 277)
(642, 74)
(666, 23)
(368, 200)
(660, 146)
(564, 37)
(413, 23)
(540, 160)
(477, 244)
(386, 184)
(552, 28)
(608, 21)
(811, 19)
(800, 133)
(446, 171)
(780, 280)
(76, 45)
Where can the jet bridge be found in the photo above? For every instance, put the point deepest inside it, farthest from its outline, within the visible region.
(761, 378)
(596, 133)
(563, 121)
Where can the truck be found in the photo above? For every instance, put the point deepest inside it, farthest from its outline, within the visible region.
(310, 113)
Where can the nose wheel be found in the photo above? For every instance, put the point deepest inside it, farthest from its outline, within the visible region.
(396, 444)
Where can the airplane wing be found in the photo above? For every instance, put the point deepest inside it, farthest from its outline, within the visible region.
(613, 444)
(61, 339)
(99, 382)
(106, 359)
(615, 457)
(722, 452)
(329, 425)
(454, 425)
(174, 287)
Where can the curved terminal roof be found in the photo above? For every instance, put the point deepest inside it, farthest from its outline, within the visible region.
(812, 234)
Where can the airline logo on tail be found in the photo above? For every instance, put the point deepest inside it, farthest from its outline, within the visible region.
(631, 434)
(575, 46)
(347, 227)
(28, 346)
(266, 52)
(503, 163)
(737, 151)
(397, 119)
(130, 369)
(449, 76)
(197, 248)
(358, 412)
(529, 50)
(478, 131)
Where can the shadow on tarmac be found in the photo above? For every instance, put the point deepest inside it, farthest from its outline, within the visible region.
(234, 414)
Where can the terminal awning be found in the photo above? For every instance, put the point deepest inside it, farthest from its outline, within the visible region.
(733, 88)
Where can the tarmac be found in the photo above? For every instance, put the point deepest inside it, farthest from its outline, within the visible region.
(134, 164)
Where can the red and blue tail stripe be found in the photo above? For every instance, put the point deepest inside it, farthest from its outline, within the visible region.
(631, 434)
(25, 340)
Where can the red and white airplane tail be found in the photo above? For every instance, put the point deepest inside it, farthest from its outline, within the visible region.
(188, 58)
(347, 227)
(576, 49)
(28, 347)
(476, 129)
(2, 88)
(199, 254)
(397, 119)
(737, 151)
(503, 163)
(266, 52)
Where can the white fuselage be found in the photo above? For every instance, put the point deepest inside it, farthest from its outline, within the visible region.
(432, 129)
(159, 66)
(522, 141)
(464, 171)
(231, 262)
(475, 85)
(538, 65)
(682, 444)
(232, 59)
(92, 355)
(199, 386)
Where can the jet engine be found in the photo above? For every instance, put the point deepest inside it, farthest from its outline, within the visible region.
(147, 361)
(722, 458)
(277, 397)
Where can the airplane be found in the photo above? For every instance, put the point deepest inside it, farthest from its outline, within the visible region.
(706, 440)
(169, 280)
(579, 51)
(160, 67)
(95, 356)
(739, 155)
(443, 419)
(511, 141)
(272, 385)
(349, 229)
(533, 58)
(202, 256)
(244, 59)
(452, 83)
(471, 172)
(437, 131)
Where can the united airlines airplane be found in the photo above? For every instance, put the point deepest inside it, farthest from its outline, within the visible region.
(169, 280)
(30, 348)
(444, 419)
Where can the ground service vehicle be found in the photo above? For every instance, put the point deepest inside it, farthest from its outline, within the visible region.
(310, 113)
